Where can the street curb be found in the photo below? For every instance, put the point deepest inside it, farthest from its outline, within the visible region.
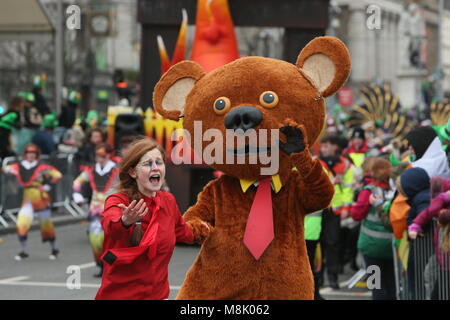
(57, 221)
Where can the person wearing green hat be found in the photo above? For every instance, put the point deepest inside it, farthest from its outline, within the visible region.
(44, 138)
(443, 133)
(9, 121)
(33, 118)
(91, 119)
(68, 113)
(40, 102)
(69, 110)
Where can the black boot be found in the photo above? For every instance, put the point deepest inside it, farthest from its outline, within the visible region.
(341, 269)
(354, 265)
(333, 281)
(317, 295)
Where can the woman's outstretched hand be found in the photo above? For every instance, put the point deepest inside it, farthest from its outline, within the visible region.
(134, 212)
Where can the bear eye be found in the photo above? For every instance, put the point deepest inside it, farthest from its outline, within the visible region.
(221, 105)
(268, 99)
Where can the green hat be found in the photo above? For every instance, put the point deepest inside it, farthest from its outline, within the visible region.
(28, 96)
(337, 108)
(92, 119)
(394, 161)
(379, 123)
(50, 121)
(39, 80)
(444, 131)
(74, 96)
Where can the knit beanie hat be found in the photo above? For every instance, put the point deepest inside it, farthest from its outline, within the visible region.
(420, 139)
(359, 133)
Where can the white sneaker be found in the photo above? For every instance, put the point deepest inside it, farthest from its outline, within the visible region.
(54, 254)
(21, 256)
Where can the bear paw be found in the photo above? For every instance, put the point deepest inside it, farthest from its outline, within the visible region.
(201, 229)
(296, 138)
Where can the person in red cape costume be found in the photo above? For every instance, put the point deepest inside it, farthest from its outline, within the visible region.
(141, 225)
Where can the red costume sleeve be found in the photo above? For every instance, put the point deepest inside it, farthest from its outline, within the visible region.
(111, 217)
(182, 231)
(360, 208)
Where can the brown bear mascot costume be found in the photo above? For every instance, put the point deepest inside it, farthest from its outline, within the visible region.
(255, 248)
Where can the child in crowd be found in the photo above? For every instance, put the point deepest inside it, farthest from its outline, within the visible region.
(375, 239)
(439, 209)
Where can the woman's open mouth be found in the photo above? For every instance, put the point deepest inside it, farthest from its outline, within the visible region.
(155, 179)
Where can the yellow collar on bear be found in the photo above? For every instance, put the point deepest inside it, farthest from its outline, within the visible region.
(275, 183)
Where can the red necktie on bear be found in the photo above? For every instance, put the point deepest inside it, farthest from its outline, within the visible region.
(259, 230)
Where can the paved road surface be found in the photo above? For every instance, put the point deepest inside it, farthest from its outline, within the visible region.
(40, 278)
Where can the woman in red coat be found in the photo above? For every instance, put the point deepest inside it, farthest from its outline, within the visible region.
(141, 225)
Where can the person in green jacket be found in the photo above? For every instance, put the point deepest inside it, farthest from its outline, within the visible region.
(375, 238)
(11, 119)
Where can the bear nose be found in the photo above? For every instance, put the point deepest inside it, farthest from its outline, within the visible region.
(243, 118)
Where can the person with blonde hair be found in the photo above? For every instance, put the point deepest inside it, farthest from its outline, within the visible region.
(141, 225)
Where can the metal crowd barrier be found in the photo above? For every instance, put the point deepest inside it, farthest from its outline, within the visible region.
(61, 193)
(3, 222)
(422, 267)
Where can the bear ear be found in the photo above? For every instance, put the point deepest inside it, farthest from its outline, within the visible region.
(326, 61)
(169, 96)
